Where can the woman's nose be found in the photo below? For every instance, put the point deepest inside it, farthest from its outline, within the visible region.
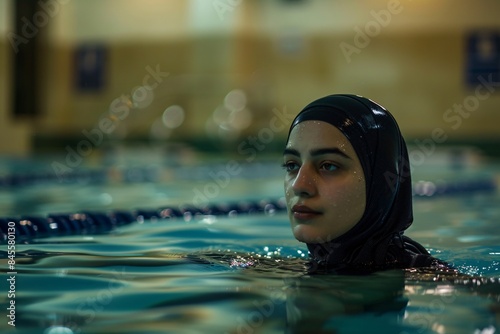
(304, 184)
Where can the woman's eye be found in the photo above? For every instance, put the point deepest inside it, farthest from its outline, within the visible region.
(329, 167)
(290, 166)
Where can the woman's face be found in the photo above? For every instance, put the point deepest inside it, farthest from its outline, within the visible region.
(324, 184)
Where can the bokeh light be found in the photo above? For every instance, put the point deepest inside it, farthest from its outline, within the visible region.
(142, 97)
(159, 131)
(173, 116)
(235, 100)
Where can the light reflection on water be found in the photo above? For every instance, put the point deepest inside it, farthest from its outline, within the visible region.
(178, 277)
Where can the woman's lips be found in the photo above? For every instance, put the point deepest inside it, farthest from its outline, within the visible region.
(302, 212)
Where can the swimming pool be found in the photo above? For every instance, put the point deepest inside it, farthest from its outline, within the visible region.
(239, 273)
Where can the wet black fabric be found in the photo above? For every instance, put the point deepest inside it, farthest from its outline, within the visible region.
(377, 240)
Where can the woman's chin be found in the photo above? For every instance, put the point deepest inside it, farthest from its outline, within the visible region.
(309, 235)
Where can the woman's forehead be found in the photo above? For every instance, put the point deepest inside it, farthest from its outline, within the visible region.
(315, 134)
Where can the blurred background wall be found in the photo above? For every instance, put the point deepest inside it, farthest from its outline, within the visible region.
(221, 71)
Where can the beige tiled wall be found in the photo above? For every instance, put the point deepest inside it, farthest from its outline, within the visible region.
(414, 66)
(417, 77)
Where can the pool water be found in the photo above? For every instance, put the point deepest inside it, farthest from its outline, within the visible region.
(244, 273)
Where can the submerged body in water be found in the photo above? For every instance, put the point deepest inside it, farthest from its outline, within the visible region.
(227, 291)
(400, 300)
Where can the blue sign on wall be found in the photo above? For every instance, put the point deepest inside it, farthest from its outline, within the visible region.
(90, 61)
(483, 57)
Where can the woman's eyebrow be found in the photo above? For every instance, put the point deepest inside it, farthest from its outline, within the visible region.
(334, 150)
(316, 152)
(291, 151)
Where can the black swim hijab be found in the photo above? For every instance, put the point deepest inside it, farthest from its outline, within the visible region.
(377, 240)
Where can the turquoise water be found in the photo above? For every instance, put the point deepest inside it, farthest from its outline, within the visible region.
(242, 274)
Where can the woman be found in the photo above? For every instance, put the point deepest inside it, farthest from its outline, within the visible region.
(348, 187)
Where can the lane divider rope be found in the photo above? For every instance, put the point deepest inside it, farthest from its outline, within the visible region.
(27, 227)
